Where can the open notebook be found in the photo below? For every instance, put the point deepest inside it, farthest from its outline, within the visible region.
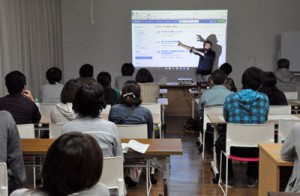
(135, 145)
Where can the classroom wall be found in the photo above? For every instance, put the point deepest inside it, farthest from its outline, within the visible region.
(254, 28)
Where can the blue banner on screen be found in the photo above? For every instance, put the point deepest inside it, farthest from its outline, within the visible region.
(155, 36)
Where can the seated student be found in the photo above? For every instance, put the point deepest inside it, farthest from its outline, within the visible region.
(149, 89)
(86, 73)
(19, 102)
(11, 152)
(127, 72)
(63, 112)
(226, 68)
(290, 151)
(73, 166)
(88, 104)
(229, 84)
(286, 80)
(50, 93)
(245, 107)
(217, 94)
(129, 111)
(276, 96)
(111, 95)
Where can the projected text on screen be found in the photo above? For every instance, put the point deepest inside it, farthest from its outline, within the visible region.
(155, 36)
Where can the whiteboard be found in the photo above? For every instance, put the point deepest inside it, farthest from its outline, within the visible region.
(290, 44)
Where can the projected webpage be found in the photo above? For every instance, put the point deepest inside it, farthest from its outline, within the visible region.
(155, 36)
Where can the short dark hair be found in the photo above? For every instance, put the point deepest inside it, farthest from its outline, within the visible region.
(227, 68)
(230, 84)
(86, 71)
(73, 163)
(283, 63)
(131, 94)
(89, 100)
(252, 78)
(269, 79)
(15, 82)
(144, 76)
(69, 90)
(104, 78)
(53, 75)
(218, 77)
(207, 42)
(127, 69)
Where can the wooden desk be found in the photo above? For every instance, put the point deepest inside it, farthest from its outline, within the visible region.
(179, 99)
(157, 155)
(270, 168)
(219, 119)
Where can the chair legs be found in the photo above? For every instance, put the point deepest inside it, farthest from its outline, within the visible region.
(225, 191)
(203, 144)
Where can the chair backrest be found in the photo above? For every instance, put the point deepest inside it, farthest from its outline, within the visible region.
(105, 112)
(155, 108)
(284, 127)
(291, 95)
(133, 131)
(112, 173)
(248, 135)
(46, 108)
(3, 179)
(55, 130)
(149, 92)
(26, 130)
(280, 109)
(209, 110)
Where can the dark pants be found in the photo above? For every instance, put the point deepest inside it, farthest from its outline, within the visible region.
(252, 170)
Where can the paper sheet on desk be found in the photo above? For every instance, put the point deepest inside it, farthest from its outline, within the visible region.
(135, 145)
(282, 117)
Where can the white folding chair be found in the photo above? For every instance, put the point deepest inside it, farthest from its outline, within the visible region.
(284, 127)
(3, 179)
(244, 135)
(155, 109)
(112, 174)
(208, 110)
(105, 112)
(55, 130)
(133, 131)
(291, 95)
(149, 92)
(26, 131)
(280, 109)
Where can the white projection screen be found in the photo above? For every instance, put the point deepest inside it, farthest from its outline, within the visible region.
(155, 36)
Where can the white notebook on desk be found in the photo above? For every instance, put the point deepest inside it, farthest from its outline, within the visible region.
(135, 145)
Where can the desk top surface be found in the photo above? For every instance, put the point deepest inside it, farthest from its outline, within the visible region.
(273, 151)
(219, 119)
(176, 84)
(294, 102)
(157, 146)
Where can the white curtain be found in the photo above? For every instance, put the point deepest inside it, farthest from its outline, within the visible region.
(30, 40)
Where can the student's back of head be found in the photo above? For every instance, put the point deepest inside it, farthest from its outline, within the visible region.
(53, 75)
(104, 78)
(218, 77)
(86, 71)
(283, 63)
(15, 82)
(131, 94)
(89, 100)
(269, 79)
(252, 78)
(144, 76)
(73, 163)
(127, 69)
(69, 90)
(227, 68)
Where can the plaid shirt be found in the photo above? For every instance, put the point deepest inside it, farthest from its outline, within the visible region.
(246, 107)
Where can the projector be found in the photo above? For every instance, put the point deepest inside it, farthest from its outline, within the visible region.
(184, 81)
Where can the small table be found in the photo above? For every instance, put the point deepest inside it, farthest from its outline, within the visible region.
(270, 166)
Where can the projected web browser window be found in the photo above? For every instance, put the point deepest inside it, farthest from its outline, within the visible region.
(155, 36)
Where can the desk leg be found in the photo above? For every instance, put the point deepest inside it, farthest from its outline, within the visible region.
(167, 176)
(214, 162)
(193, 107)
